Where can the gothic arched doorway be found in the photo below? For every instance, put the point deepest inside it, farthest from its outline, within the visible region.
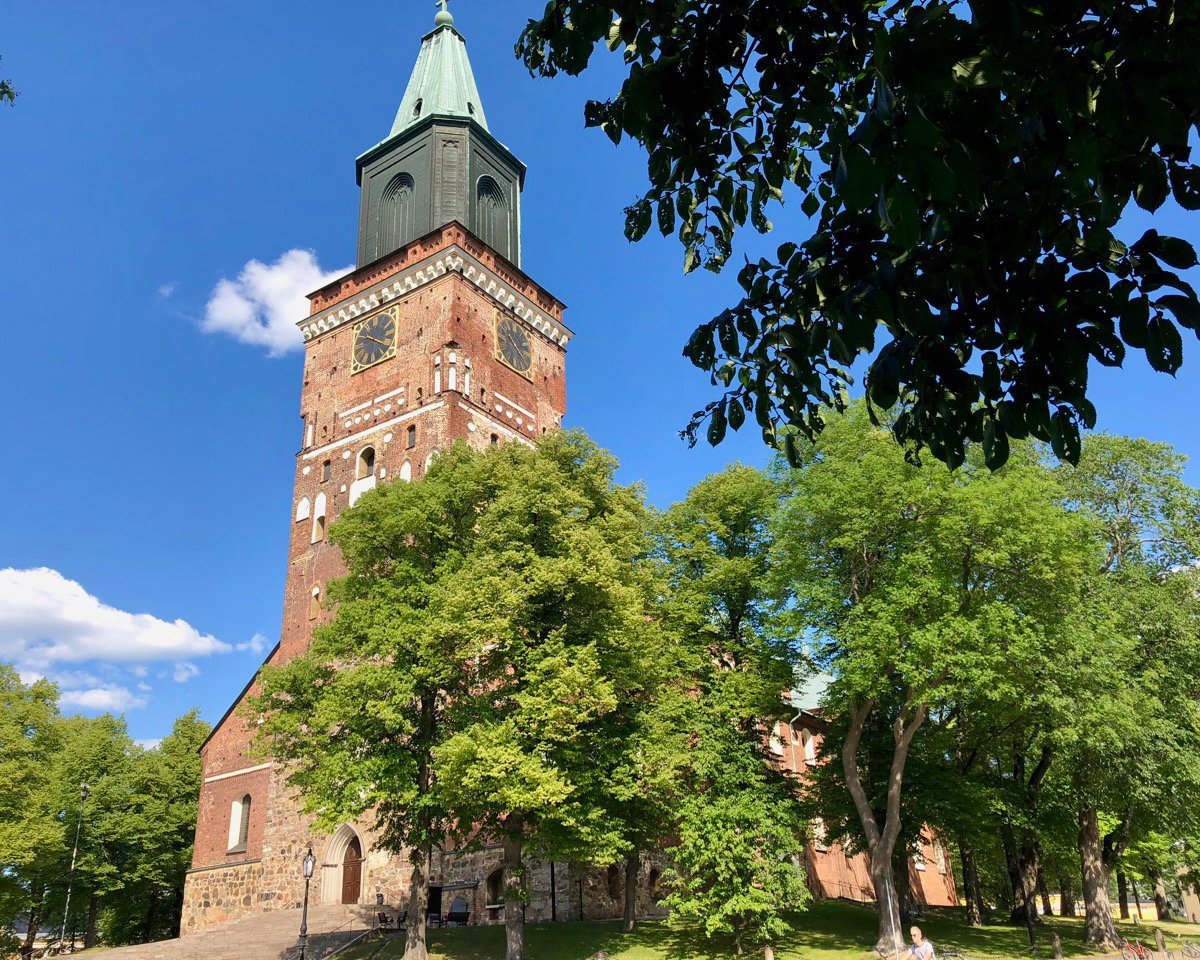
(352, 861)
(343, 865)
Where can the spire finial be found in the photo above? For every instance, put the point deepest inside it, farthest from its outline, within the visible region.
(444, 18)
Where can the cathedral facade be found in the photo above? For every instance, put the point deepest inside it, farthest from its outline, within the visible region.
(437, 336)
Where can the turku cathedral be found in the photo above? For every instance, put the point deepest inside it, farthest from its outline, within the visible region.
(438, 335)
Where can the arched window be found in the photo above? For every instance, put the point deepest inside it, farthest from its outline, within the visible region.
(615, 887)
(810, 746)
(432, 456)
(318, 527)
(239, 824)
(303, 509)
(366, 464)
(314, 603)
(397, 213)
(417, 107)
(437, 374)
(406, 470)
(364, 474)
(411, 438)
(326, 469)
(654, 883)
(495, 439)
(495, 887)
(820, 835)
(491, 215)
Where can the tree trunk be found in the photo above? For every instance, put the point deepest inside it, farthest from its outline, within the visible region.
(632, 867)
(1161, 906)
(1099, 930)
(890, 941)
(1066, 895)
(514, 889)
(151, 916)
(35, 921)
(89, 933)
(1029, 873)
(418, 906)
(1043, 891)
(1123, 894)
(881, 841)
(1137, 898)
(768, 952)
(1012, 863)
(971, 892)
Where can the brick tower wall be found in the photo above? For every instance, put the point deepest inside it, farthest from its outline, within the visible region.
(448, 290)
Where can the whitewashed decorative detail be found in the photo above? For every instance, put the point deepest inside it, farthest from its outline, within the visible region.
(303, 509)
(454, 258)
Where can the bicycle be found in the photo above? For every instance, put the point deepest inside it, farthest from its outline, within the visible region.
(952, 953)
(1186, 948)
(1133, 950)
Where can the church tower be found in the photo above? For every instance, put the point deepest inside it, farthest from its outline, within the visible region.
(436, 337)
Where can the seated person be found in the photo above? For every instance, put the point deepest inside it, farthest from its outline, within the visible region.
(921, 948)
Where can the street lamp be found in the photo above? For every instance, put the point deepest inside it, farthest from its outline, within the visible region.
(309, 863)
(62, 936)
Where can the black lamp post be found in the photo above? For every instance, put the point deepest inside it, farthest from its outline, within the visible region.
(62, 936)
(309, 863)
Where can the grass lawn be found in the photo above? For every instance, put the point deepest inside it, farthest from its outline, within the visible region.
(827, 931)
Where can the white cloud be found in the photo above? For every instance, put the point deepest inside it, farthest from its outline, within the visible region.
(46, 619)
(262, 306)
(109, 697)
(166, 290)
(149, 743)
(144, 687)
(256, 644)
(184, 671)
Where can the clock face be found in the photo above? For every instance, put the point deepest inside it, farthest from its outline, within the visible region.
(374, 340)
(512, 345)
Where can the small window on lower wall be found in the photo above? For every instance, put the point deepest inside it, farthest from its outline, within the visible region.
(495, 888)
(615, 887)
(314, 603)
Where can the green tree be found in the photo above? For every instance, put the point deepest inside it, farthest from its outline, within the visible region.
(1135, 749)
(493, 619)
(738, 825)
(31, 731)
(159, 826)
(929, 593)
(965, 168)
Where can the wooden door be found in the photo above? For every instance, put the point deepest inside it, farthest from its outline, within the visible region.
(352, 872)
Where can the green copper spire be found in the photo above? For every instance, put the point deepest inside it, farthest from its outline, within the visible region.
(442, 83)
(440, 163)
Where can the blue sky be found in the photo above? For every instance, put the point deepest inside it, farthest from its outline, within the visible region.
(155, 150)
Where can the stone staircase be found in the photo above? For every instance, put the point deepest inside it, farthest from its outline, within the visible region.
(269, 936)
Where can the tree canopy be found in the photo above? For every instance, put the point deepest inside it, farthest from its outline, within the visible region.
(493, 617)
(965, 168)
(136, 827)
